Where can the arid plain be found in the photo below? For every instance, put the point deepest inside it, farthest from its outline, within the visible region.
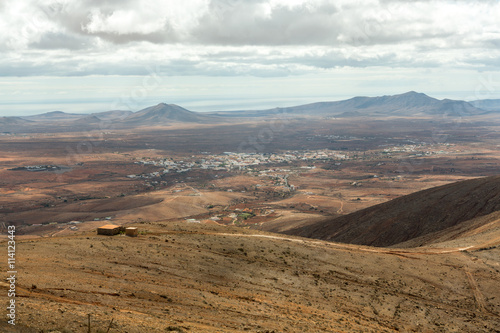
(212, 201)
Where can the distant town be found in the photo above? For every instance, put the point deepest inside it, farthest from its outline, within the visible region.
(229, 161)
(234, 161)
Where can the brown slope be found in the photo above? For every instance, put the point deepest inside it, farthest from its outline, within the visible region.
(479, 233)
(411, 216)
(190, 277)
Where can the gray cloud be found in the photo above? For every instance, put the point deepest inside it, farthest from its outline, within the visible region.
(239, 22)
(77, 17)
(163, 37)
(245, 23)
(239, 37)
(51, 40)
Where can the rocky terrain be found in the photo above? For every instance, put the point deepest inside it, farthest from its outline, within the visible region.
(190, 277)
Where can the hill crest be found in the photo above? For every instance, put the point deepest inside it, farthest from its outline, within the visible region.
(161, 113)
(411, 216)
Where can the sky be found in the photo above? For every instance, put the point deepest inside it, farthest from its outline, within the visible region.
(209, 55)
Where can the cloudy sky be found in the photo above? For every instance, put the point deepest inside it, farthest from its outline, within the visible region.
(97, 55)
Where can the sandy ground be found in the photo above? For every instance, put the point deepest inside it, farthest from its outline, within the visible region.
(209, 278)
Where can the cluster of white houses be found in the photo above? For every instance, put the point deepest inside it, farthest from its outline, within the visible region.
(418, 150)
(235, 161)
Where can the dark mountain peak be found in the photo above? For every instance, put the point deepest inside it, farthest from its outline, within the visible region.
(89, 119)
(163, 104)
(164, 108)
(414, 96)
(399, 102)
(413, 93)
(54, 116)
(164, 113)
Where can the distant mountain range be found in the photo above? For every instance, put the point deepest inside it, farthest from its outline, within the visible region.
(410, 104)
(487, 104)
(13, 121)
(55, 116)
(63, 116)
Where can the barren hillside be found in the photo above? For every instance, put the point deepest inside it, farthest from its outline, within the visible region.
(412, 216)
(190, 277)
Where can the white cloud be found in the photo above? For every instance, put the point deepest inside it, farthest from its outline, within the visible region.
(242, 37)
(123, 22)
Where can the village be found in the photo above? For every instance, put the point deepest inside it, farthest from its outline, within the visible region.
(273, 171)
(263, 176)
(230, 161)
(37, 168)
(236, 161)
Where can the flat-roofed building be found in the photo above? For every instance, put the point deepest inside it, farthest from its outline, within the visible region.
(131, 231)
(109, 230)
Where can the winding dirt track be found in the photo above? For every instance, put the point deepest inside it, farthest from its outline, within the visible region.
(351, 247)
(478, 295)
(341, 209)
